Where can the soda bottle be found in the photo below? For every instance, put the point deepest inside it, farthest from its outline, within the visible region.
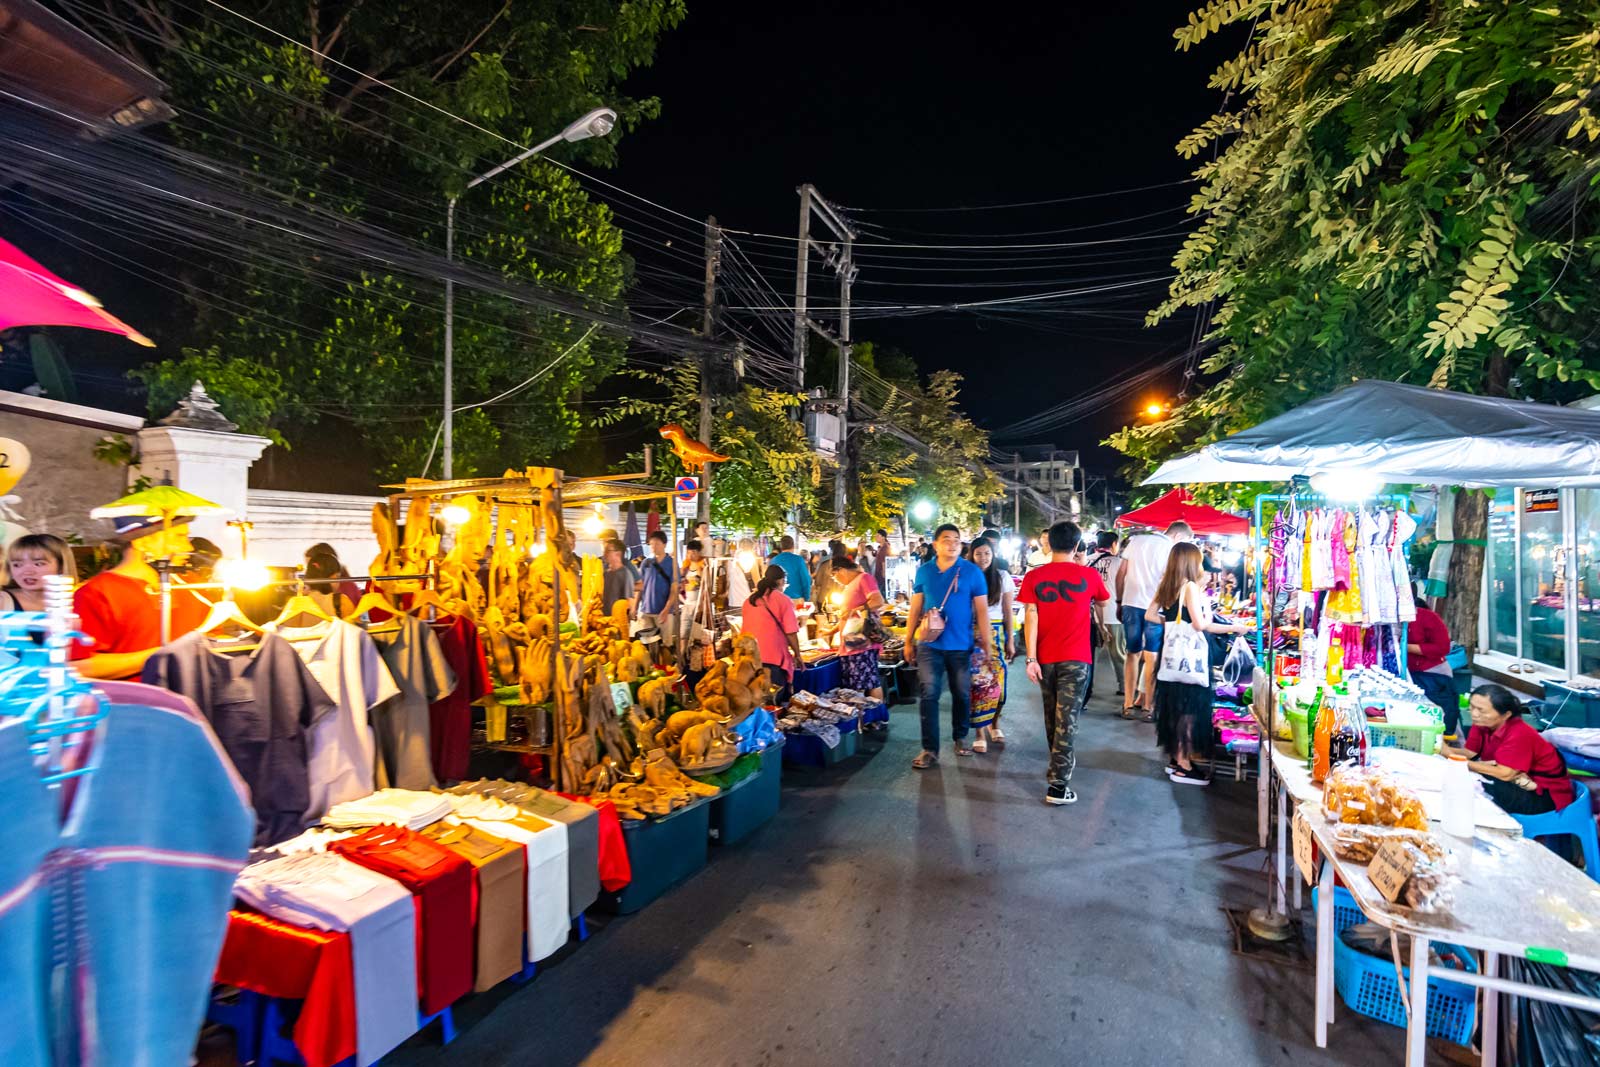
(1335, 661)
(1322, 742)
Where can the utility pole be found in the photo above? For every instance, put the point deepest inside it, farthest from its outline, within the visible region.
(802, 260)
(841, 485)
(708, 360)
(1016, 476)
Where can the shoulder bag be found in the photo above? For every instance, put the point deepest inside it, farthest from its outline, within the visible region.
(932, 624)
(1185, 656)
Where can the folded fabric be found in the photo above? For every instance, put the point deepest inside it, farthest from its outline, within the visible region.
(1575, 739)
(412, 809)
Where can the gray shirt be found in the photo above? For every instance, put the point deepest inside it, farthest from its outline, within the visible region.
(616, 585)
(416, 659)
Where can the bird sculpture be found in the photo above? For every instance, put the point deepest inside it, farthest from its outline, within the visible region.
(690, 452)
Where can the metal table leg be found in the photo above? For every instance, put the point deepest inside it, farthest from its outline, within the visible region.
(1491, 1011)
(1281, 873)
(1263, 786)
(1324, 998)
(1417, 1025)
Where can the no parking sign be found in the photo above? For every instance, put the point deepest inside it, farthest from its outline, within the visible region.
(686, 500)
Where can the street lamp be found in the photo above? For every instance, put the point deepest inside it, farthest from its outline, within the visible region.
(596, 123)
(922, 510)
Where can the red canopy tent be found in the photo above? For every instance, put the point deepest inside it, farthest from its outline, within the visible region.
(1179, 504)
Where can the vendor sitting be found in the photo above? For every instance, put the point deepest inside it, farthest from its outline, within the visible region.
(1525, 774)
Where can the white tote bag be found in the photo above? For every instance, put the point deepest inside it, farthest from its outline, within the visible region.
(1185, 656)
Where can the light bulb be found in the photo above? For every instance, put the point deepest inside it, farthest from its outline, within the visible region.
(244, 574)
(455, 514)
(746, 559)
(922, 510)
(594, 524)
(1347, 485)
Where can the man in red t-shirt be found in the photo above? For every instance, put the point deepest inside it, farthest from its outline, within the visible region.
(120, 609)
(1059, 595)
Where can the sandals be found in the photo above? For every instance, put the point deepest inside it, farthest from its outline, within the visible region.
(1149, 716)
(924, 760)
(980, 746)
(1130, 712)
(964, 749)
(996, 737)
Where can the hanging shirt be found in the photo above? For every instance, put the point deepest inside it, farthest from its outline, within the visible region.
(122, 614)
(441, 881)
(404, 727)
(262, 705)
(450, 717)
(341, 751)
(1063, 594)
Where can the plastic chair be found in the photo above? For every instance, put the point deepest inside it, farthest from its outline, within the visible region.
(1576, 819)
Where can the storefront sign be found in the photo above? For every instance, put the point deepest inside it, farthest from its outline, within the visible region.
(1538, 500)
(1390, 868)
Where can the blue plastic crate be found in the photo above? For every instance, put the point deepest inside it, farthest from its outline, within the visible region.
(1568, 706)
(1367, 984)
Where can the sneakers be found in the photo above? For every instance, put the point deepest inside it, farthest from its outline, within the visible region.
(1060, 794)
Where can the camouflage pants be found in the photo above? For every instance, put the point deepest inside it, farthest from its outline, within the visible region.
(1062, 685)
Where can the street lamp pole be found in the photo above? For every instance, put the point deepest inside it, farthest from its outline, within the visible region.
(596, 123)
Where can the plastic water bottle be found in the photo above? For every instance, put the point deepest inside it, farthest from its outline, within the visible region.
(1460, 798)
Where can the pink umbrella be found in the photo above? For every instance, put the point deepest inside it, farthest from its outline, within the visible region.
(32, 296)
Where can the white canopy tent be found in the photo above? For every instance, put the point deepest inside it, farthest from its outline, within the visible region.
(1406, 433)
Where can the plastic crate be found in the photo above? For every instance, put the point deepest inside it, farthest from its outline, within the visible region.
(806, 750)
(751, 804)
(662, 852)
(1566, 706)
(1368, 986)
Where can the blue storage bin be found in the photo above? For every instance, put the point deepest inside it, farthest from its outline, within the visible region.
(1367, 984)
(1566, 706)
(804, 750)
(662, 852)
(750, 804)
(1457, 658)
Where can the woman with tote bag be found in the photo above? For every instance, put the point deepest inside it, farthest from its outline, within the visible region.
(1184, 691)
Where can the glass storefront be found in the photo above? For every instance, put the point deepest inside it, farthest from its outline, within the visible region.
(1541, 580)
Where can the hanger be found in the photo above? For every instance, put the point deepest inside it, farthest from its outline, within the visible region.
(224, 612)
(301, 604)
(374, 600)
(427, 598)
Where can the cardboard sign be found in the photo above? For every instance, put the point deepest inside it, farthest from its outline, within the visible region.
(1305, 849)
(1390, 869)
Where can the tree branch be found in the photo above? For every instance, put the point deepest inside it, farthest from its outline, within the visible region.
(464, 49)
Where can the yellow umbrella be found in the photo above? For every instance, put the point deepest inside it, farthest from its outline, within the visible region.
(163, 500)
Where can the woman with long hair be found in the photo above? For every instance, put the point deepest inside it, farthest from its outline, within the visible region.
(29, 559)
(1183, 709)
(860, 633)
(989, 679)
(769, 617)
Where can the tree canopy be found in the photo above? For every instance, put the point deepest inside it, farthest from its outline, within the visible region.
(1393, 189)
(313, 117)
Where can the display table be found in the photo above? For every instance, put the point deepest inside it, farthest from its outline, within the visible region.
(1514, 897)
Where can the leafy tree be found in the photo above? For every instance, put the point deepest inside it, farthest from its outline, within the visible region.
(771, 470)
(364, 347)
(948, 465)
(1400, 190)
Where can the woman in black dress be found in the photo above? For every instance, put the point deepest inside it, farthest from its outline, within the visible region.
(1183, 710)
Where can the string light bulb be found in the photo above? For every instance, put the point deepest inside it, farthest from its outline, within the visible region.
(245, 574)
(455, 515)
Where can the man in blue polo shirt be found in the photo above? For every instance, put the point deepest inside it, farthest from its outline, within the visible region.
(795, 569)
(958, 590)
(657, 595)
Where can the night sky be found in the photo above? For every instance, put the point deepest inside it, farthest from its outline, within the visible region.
(916, 105)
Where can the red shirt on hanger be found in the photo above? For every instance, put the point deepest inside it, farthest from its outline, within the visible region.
(450, 742)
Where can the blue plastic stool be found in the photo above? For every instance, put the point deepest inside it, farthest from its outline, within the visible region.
(242, 1015)
(278, 1047)
(580, 926)
(1576, 819)
(889, 679)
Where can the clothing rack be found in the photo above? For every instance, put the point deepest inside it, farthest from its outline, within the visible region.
(42, 688)
(299, 581)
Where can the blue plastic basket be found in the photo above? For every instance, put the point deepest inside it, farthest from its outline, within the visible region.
(1367, 984)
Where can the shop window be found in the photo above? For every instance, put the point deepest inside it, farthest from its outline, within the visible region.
(1502, 573)
(1543, 570)
(1588, 533)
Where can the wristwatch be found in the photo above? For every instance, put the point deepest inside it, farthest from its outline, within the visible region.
(1032, 660)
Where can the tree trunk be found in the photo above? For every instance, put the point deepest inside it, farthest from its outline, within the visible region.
(1460, 607)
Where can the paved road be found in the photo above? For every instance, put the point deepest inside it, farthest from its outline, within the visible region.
(941, 917)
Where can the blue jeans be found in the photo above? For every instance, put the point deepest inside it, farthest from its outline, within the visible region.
(1141, 636)
(934, 666)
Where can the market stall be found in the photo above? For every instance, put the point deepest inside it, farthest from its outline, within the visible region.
(1418, 850)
